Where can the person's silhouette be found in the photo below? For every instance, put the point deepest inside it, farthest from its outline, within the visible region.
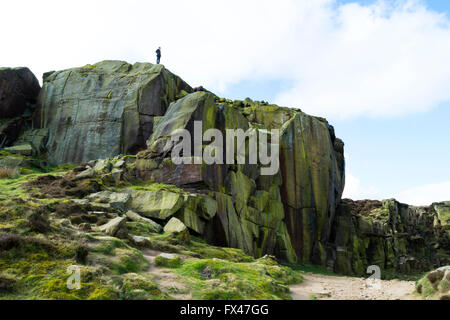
(158, 55)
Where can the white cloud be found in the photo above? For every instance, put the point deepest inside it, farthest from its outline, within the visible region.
(355, 190)
(426, 195)
(380, 60)
(417, 196)
(342, 60)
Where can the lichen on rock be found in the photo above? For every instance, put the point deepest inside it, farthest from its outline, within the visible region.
(103, 110)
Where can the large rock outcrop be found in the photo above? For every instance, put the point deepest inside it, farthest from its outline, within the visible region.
(388, 234)
(296, 213)
(103, 110)
(288, 213)
(19, 90)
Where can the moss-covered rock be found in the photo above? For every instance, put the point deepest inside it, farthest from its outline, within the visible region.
(112, 227)
(178, 229)
(290, 212)
(443, 211)
(119, 201)
(104, 110)
(149, 224)
(168, 260)
(219, 279)
(389, 234)
(157, 204)
(25, 149)
(435, 285)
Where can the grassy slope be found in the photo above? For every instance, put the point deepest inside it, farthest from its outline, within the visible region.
(35, 264)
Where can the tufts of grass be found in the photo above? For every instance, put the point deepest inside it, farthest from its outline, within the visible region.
(434, 286)
(39, 267)
(62, 168)
(116, 255)
(106, 245)
(138, 228)
(218, 279)
(10, 242)
(168, 263)
(13, 187)
(135, 286)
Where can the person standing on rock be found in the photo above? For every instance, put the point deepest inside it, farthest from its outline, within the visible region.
(158, 55)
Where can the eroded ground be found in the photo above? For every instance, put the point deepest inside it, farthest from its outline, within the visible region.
(326, 287)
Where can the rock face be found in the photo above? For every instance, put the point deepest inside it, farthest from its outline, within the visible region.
(388, 234)
(111, 109)
(443, 211)
(19, 90)
(102, 110)
(289, 213)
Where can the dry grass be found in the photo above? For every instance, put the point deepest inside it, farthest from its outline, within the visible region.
(7, 173)
(9, 241)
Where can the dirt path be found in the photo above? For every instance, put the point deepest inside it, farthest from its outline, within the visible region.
(167, 281)
(324, 287)
(315, 286)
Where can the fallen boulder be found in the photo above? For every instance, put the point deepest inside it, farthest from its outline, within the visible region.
(119, 201)
(113, 226)
(19, 90)
(178, 229)
(157, 204)
(152, 224)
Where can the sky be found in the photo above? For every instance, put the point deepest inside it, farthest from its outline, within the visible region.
(378, 70)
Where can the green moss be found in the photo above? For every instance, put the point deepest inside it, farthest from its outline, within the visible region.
(433, 285)
(61, 168)
(168, 263)
(107, 245)
(56, 288)
(88, 67)
(444, 286)
(14, 187)
(139, 228)
(129, 261)
(221, 279)
(139, 287)
(425, 289)
(155, 187)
